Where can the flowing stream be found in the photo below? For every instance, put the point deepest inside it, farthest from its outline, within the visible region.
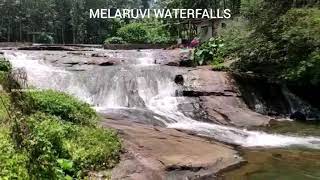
(141, 91)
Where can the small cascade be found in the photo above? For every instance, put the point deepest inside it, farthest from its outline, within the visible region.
(142, 91)
(296, 104)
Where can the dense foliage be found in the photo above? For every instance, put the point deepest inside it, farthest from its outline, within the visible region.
(66, 21)
(288, 51)
(279, 40)
(51, 135)
(147, 31)
(5, 65)
(93, 149)
(12, 162)
(133, 33)
(59, 149)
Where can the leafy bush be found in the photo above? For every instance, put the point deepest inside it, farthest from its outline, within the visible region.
(210, 52)
(289, 52)
(44, 144)
(5, 65)
(152, 32)
(61, 105)
(301, 38)
(45, 38)
(114, 40)
(157, 33)
(133, 33)
(94, 148)
(13, 164)
(62, 150)
(234, 34)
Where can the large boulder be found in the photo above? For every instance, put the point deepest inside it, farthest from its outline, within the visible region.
(220, 98)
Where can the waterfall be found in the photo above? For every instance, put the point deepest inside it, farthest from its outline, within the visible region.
(143, 91)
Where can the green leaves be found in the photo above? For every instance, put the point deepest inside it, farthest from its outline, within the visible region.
(145, 32)
(5, 65)
(65, 164)
(61, 105)
(13, 164)
(133, 33)
(66, 21)
(286, 48)
(114, 40)
(62, 150)
(45, 38)
(52, 135)
(93, 148)
(210, 52)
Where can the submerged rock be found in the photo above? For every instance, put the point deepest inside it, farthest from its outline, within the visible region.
(107, 63)
(179, 80)
(298, 116)
(172, 64)
(187, 63)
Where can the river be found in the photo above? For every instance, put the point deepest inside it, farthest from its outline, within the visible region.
(143, 92)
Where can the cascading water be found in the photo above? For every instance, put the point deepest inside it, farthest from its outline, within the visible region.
(141, 91)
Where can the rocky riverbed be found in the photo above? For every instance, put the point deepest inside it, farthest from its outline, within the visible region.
(176, 122)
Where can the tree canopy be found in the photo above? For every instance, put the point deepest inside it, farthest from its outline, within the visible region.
(65, 20)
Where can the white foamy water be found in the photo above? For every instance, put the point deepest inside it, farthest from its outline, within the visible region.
(45, 76)
(150, 88)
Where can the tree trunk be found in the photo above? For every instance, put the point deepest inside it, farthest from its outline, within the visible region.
(62, 35)
(8, 32)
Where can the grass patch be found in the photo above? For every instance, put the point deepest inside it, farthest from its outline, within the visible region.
(220, 67)
(61, 105)
(94, 148)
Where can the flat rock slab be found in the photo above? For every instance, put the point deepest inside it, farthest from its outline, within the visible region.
(160, 153)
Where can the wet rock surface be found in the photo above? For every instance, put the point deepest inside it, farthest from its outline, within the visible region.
(154, 152)
(69, 56)
(48, 48)
(160, 153)
(220, 99)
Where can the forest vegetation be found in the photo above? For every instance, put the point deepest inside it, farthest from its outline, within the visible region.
(275, 40)
(67, 21)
